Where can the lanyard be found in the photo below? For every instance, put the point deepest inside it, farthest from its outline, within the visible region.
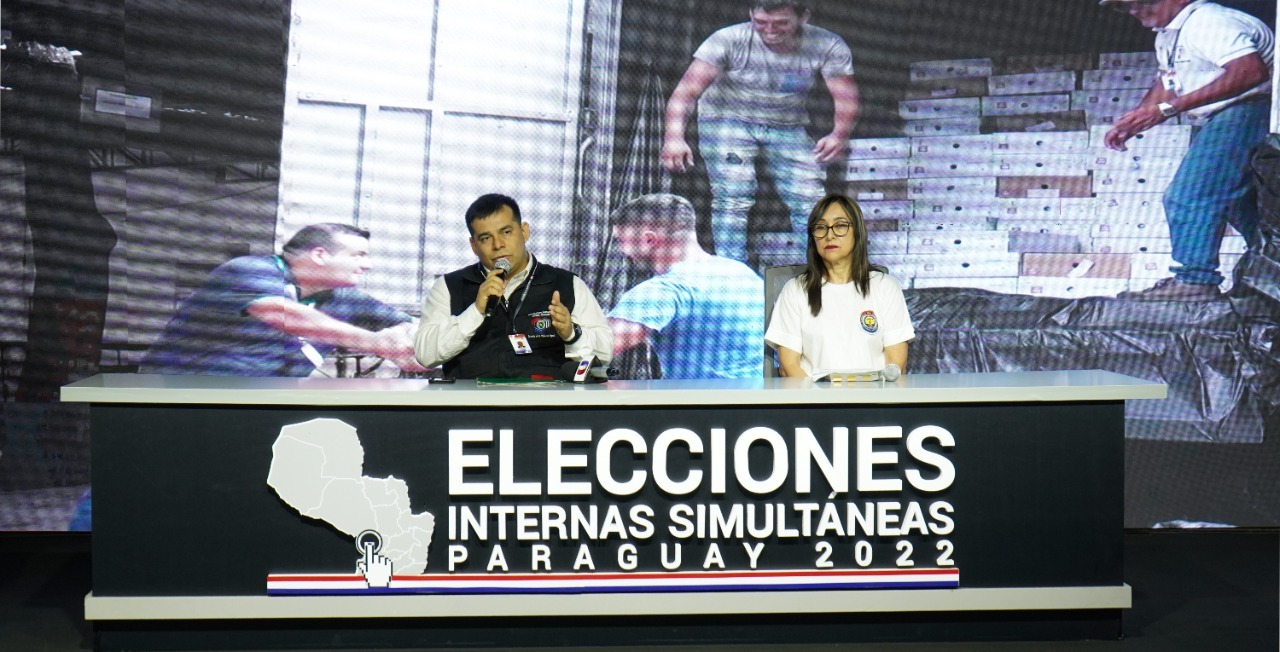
(1172, 53)
(291, 287)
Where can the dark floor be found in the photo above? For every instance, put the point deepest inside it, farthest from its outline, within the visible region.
(1193, 590)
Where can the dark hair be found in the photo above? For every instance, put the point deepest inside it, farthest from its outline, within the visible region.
(321, 235)
(815, 272)
(774, 5)
(670, 213)
(486, 205)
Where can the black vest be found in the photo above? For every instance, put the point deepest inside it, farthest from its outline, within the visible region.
(490, 354)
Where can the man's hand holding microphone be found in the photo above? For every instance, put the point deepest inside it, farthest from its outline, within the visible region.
(491, 291)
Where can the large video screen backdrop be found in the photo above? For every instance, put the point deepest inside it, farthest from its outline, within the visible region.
(147, 143)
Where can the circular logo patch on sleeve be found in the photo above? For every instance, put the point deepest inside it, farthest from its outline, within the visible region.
(869, 322)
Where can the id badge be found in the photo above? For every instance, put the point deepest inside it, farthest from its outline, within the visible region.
(1170, 81)
(312, 354)
(520, 343)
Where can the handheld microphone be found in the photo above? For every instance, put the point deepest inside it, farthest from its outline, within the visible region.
(503, 267)
(891, 372)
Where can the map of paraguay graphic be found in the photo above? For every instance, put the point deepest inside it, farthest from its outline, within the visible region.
(317, 468)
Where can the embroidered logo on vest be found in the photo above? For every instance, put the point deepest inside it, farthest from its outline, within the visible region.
(541, 323)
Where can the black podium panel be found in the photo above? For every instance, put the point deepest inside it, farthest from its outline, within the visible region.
(182, 506)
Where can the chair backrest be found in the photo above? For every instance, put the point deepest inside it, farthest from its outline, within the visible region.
(774, 280)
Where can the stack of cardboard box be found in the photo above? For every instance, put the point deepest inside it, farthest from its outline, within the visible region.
(1003, 181)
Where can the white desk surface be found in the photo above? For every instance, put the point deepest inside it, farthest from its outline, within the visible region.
(1026, 386)
(99, 608)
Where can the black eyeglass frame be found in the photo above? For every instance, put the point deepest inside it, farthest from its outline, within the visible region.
(841, 229)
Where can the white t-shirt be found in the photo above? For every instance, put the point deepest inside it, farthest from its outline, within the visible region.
(1204, 37)
(759, 85)
(851, 330)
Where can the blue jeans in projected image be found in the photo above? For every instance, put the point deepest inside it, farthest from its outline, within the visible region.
(730, 148)
(1213, 188)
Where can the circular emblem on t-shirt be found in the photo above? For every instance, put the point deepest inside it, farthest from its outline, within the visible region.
(540, 324)
(868, 321)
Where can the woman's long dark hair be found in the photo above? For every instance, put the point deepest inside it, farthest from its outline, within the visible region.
(816, 271)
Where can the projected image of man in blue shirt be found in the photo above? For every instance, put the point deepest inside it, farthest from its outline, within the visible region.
(281, 315)
(704, 314)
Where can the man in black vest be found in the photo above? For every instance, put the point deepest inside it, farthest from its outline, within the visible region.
(525, 322)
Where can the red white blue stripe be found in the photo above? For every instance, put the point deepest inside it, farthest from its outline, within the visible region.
(642, 582)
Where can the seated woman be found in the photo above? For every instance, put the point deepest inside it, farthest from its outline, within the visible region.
(842, 313)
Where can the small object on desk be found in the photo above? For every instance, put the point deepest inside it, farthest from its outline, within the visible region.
(580, 373)
(890, 373)
(536, 380)
(856, 376)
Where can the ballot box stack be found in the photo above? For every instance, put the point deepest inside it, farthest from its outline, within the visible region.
(1002, 180)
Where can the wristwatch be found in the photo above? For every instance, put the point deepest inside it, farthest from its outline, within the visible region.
(1167, 110)
(577, 335)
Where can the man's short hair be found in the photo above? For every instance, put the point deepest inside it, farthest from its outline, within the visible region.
(324, 235)
(798, 7)
(661, 211)
(487, 205)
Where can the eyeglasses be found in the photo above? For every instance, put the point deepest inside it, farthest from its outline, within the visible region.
(841, 229)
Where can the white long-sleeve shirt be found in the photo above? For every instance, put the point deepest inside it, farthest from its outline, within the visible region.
(442, 335)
